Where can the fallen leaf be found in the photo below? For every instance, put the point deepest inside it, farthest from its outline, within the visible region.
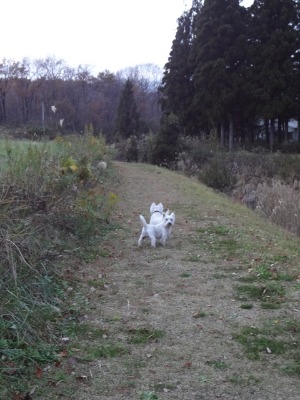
(39, 372)
(63, 353)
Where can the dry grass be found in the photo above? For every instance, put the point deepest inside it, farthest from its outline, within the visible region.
(280, 203)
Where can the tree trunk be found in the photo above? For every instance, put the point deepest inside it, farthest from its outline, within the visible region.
(272, 134)
(3, 104)
(279, 125)
(230, 141)
(222, 135)
(286, 130)
(267, 131)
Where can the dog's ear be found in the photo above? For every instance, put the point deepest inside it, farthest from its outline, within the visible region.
(152, 208)
(160, 207)
(173, 216)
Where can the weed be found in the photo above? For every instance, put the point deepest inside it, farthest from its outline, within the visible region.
(162, 386)
(269, 306)
(236, 379)
(217, 364)
(73, 329)
(200, 314)
(292, 368)
(203, 379)
(107, 351)
(97, 283)
(148, 396)
(185, 275)
(193, 258)
(144, 335)
(246, 306)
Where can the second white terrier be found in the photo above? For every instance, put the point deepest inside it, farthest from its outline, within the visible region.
(156, 213)
(159, 231)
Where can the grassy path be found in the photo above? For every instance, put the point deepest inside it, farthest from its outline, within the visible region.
(212, 315)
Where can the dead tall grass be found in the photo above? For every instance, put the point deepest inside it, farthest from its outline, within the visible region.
(280, 203)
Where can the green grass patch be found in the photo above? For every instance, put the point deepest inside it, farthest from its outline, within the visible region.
(255, 343)
(264, 272)
(277, 337)
(221, 240)
(270, 292)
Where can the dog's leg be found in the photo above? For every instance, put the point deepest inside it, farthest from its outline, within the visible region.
(153, 240)
(163, 240)
(142, 236)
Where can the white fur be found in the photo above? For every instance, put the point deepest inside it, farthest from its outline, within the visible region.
(157, 231)
(156, 213)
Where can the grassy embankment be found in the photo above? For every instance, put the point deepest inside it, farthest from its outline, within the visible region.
(54, 210)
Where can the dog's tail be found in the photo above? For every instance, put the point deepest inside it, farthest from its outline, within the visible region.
(143, 221)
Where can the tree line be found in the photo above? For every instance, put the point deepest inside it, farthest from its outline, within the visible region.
(231, 67)
(233, 71)
(48, 96)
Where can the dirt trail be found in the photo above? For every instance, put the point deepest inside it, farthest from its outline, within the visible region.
(173, 295)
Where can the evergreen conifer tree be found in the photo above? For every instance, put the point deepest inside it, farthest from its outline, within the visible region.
(177, 87)
(128, 118)
(219, 56)
(274, 40)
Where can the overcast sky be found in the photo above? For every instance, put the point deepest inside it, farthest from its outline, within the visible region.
(105, 34)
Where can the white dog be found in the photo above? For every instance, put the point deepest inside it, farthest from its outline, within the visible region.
(156, 213)
(159, 231)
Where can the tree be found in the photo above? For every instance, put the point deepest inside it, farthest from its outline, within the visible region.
(177, 87)
(9, 71)
(219, 57)
(128, 119)
(166, 144)
(274, 38)
(146, 79)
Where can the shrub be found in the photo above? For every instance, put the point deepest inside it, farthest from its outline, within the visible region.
(218, 175)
